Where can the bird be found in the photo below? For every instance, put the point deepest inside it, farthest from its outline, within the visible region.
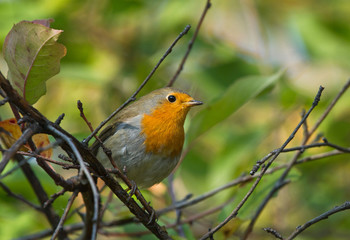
(146, 137)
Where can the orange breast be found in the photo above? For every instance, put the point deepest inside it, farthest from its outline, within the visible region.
(163, 130)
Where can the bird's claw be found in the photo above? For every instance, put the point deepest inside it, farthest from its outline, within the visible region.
(132, 190)
(152, 217)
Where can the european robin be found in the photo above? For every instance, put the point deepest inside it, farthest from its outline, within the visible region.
(146, 137)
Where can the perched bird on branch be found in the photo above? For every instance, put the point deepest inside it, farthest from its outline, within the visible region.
(146, 137)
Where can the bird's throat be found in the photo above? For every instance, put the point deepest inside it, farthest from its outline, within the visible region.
(163, 132)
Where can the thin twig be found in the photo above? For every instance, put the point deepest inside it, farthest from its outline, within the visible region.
(340, 148)
(19, 197)
(240, 180)
(298, 230)
(290, 138)
(202, 214)
(57, 178)
(46, 233)
(330, 107)
(59, 119)
(298, 148)
(63, 218)
(191, 219)
(276, 188)
(48, 146)
(190, 44)
(132, 98)
(131, 185)
(71, 143)
(178, 211)
(305, 126)
(105, 206)
(8, 154)
(40, 193)
(82, 115)
(86, 172)
(186, 202)
(273, 232)
(297, 155)
(15, 168)
(35, 155)
(288, 168)
(53, 197)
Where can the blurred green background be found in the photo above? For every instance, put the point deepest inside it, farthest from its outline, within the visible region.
(113, 45)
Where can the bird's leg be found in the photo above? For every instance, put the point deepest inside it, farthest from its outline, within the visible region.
(132, 189)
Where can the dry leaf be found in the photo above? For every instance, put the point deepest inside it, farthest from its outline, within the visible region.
(11, 132)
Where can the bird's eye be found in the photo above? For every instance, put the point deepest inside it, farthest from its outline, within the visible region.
(171, 98)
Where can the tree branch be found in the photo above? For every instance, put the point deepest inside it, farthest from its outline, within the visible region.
(323, 216)
(132, 98)
(190, 44)
(297, 155)
(19, 197)
(64, 216)
(72, 145)
(263, 171)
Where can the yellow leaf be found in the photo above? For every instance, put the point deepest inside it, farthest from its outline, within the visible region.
(231, 227)
(42, 140)
(11, 132)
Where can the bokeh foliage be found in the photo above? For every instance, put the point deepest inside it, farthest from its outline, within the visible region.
(113, 45)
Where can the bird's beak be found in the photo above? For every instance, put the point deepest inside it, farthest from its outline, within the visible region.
(194, 102)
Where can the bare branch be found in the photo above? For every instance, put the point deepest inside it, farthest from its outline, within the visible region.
(297, 155)
(59, 119)
(276, 187)
(273, 232)
(35, 155)
(190, 219)
(305, 126)
(19, 197)
(178, 211)
(263, 171)
(8, 154)
(190, 44)
(346, 150)
(298, 148)
(40, 193)
(298, 230)
(132, 98)
(330, 107)
(46, 233)
(86, 172)
(63, 218)
(15, 168)
(240, 180)
(131, 185)
(53, 197)
(82, 115)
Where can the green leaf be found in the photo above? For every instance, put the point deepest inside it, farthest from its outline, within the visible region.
(239, 93)
(33, 56)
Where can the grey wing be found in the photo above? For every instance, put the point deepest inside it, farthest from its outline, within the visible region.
(131, 113)
(105, 134)
(126, 146)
